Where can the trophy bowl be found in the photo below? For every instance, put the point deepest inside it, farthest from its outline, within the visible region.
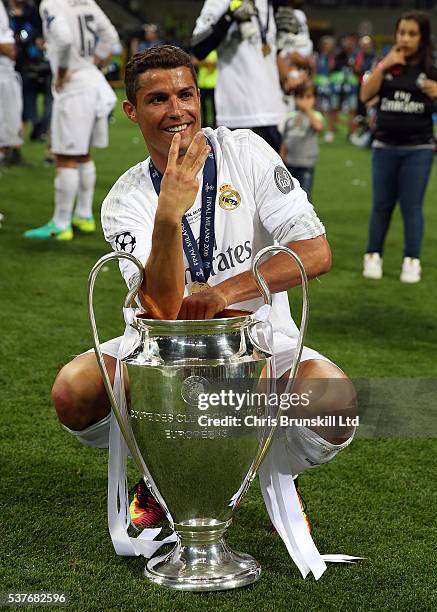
(188, 416)
(197, 458)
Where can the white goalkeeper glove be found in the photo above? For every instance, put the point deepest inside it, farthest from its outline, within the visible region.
(287, 27)
(242, 10)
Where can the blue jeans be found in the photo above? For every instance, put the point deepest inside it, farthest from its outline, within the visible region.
(305, 176)
(399, 174)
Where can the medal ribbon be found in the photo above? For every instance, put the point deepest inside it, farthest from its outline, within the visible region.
(199, 257)
(264, 29)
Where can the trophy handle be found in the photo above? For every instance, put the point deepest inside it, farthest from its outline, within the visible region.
(264, 288)
(124, 428)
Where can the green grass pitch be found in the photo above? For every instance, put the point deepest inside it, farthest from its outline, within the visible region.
(376, 500)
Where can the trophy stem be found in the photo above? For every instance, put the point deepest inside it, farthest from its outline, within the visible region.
(201, 561)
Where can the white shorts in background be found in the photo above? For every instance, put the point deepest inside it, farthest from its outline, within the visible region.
(76, 126)
(11, 108)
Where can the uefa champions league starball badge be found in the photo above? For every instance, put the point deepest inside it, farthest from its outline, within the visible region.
(125, 242)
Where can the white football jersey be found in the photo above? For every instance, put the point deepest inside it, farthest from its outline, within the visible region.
(6, 37)
(248, 92)
(75, 32)
(258, 204)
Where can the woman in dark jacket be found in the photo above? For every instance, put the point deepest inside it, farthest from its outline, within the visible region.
(406, 83)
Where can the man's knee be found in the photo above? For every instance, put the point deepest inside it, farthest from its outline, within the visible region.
(327, 398)
(331, 399)
(79, 394)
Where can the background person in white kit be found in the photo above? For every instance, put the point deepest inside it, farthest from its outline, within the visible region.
(257, 203)
(248, 93)
(11, 99)
(295, 58)
(78, 36)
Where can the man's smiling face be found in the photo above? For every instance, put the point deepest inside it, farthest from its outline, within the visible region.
(167, 101)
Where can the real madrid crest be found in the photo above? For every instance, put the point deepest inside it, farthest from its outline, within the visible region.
(229, 198)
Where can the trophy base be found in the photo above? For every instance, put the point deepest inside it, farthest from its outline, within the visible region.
(203, 567)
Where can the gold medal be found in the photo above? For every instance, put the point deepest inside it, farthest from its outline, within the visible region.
(266, 49)
(198, 287)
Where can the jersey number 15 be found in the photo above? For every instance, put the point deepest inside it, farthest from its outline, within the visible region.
(88, 36)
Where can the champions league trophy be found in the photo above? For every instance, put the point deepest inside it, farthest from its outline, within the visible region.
(198, 461)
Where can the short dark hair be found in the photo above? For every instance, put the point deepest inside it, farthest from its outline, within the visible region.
(425, 45)
(302, 89)
(163, 56)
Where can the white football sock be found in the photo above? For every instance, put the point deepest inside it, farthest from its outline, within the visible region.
(66, 186)
(87, 181)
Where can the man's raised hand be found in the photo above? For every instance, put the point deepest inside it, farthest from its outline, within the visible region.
(180, 185)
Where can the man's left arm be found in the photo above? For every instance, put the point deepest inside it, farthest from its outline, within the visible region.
(108, 40)
(58, 33)
(280, 273)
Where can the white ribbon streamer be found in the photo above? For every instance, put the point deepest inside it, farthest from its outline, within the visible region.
(280, 495)
(118, 501)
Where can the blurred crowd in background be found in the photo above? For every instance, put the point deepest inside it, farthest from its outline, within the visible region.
(336, 66)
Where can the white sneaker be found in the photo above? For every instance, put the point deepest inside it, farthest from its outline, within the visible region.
(372, 266)
(411, 270)
(329, 137)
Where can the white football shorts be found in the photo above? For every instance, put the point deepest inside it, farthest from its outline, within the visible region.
(305, 448)
(11, 108)
(76, 126)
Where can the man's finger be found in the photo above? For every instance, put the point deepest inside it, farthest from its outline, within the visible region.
(183, 310)
(195, 310)
(173, 152)
(181, 316)
(210, 311)
(188, 309)
(200, 160)
(193, 150)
